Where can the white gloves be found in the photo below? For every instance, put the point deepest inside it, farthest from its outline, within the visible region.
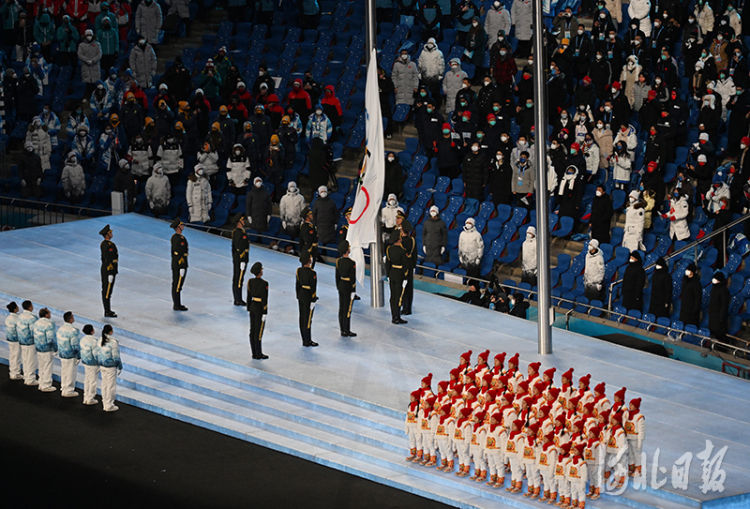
(242, 265)
(268, 219)
(23, 183)
(182, 272)
(442, 250)
(249, 220)
(283, 224)
(404, 283)
(312, 306)
(263, 318)
(424, 248)
(110, 278)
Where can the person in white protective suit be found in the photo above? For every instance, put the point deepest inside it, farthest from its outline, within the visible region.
(290, 209)
(470, 248)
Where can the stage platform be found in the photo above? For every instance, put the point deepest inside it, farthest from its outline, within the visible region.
(342, 404)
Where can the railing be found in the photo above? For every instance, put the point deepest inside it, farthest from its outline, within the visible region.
(23, 213)
(693, 245)
(675, 335)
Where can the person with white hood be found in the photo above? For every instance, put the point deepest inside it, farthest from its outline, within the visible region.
(158, 191)
(238, 169)
(593, 272)
(629, 77)
(634, 219)
(73, 179)
(290, 209)
(45, 343)
(69, 350)
(434, 237)
(621, 165)
(470, 248)
(638, 10)
(528, 257)
(14, 349)
(452, 83)
(677, 216)
(41, 142)
(325, 216)
(108, 356)
(628, 135)
(25, 333)
(726, 89)
(141, 157)
(431, 64)
(405, 77)
(497, 18)
(87, 352)
(719, 190)
(171, 158)
(208, 158)
(198, 196)
(388, 216)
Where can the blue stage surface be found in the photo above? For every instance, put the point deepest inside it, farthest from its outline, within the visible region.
(342, 404)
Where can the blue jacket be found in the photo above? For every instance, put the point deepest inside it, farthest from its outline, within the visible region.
(68, 338)
(11, 332)
(88, 350)
(44, 336)
(108, 355)
(319, 127)
(24, 328)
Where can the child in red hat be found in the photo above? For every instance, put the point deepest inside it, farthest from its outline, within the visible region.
(566, 389)
(617, 449)
(593, 453)
(428, 423)
(577, 475)
(546, 465)
(461, 440)
(476, 448)
(514, 375)
(493, 453)
(412, 426)
(619, 400)
(443, 435)
(481, 367)
(529, 460)
(601, 402)
(635, 429)
(513, 448)
(561, 478)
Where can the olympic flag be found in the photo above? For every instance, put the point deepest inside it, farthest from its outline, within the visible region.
(363, 220)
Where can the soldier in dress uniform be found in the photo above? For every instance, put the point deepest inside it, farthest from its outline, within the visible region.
(306, 286)
(257, 305)
(179, 263)
(108, 269)
(308, 236)
(410, 247)
(240, 250)
(397, 267)
(343, 232)
(346, 282)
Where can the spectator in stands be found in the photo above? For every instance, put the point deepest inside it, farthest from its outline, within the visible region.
(181, 9)
(634, 222)
(661, 290)
(431, 64)
(124, 183)
(633, 283)
(679, 210)
(523, 182)
(718, 307)
(238, 169)
(290, 210)
(108, 37)
(690, 296)
(448, 153)
(171, 158)
(474, 168)
(45, 33)
(388, 216)
(470, 248)
(67, 37)
(90, 55)
(718, 191)
(198, 196)
(601, 215)
(528, 257)
(84, 147)
(37, 136)
(318, 126)
(30, 171)
(593, 273)
(209, 83)
(405, 77)
(24, 37)
(387, 98)
(141, 158)
(496, 19)
(100, 103)
(569, 193)
(258, 206)
(430, 15)
(434, 237)
(148, 21)
(332, 106)
(476, 45)
(274, 167)
(299, 99)
(518, 306)
(521, 16)
(143, 62)
(158, 191)
(10, 13)
(325, 216)
(394, 176)
(453, 82)
(72, 179)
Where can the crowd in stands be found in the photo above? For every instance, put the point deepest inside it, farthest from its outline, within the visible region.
(647, 116)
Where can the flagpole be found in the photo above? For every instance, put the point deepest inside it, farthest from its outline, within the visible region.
(376, 248)
(540, 152)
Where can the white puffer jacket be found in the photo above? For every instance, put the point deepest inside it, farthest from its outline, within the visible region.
(639, 9)
(452, 84)
(41, 142)
(593, 273)
(199, 199)
(714, 196)
(170, 155)
(629, 138)
(158, 190)
(431, 62)
(705, 17)
(496, 20)
(591, 154)
(290, 208)
(470, 246)
(238, 173)
(73, 180)
(528, 252)
(678, 212)
(634, 219)
(141, 161)
(209, 161)
(388, 214)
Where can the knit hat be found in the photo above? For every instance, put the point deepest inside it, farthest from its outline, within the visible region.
(427, 380)
(568, 374)
(636, 402)
(513, 360)
(621, 394)
(616, 85)
(535, 366)
(434, 209)
(593, 244)
(466, 357)
(600, 387)
(500, 357)
(484, 354)
(585, 379)
(550, 373)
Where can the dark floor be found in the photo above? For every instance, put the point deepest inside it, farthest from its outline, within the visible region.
(58, 453)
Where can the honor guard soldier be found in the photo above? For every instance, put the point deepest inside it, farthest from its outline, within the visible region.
(306, 286)
(345, 283)
(240, 250)
(344, 230)
(410, 247)
(308, 236)
(179, 263)
(108, 269)
(396, 265)
(257, 305)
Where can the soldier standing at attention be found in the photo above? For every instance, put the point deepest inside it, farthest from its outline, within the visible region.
(345, 283)
(396, 266)
(306, 286)
(179, 263)
(108, 269)
(257, 305)
(343, 231)
(409, 245)
(240, 250)
(308, 236)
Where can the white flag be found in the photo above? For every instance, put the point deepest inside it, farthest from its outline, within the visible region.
(364, 216)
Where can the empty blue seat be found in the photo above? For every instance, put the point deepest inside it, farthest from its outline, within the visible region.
(566, 227)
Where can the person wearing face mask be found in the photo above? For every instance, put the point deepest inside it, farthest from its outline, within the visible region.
(448, 153)
(73, 179)
(704, 16)
(325, 216)
(290, 209)
(569, 193)
(629, 77)
(319, 126)
(497, 19)
(453, 84)
(717, 193)
(593, 272)
(142, 61)
(394, 176)
(434, 237)
(521, 14)
(30, 171)
(258, 206)
(238, 169)
(621, 165)
(431, 65)
(474, 168)
(591, 158)
(661, 290)
(639, 10)
(528, 257)
(429, 123)
(634, 222)
(743, 162)
(89, 56)
(198, 196)
(499, 179)
(503, 66)
(388, 216)
(158, 191)
(464, 127)
(726, 89)
(476, 44)
(601, 73)
(470, 248)
(719, 49)
(465, 11)
(489, 94)
(641, 88)
(633, 283)
(718, 307)
(601, 215)
(523, 181)
(148, 20)
(405, 76)
(690, 296)
(557, 156)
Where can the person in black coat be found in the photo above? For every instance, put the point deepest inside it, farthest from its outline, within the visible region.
(30, 171)
(569, 193)
(499, 177)
(661, 290)
(448, 154)
(718, 307)
(258, 206)
(633, 282)
(690, 297)
(475, 173)
(518, 306)
(473, 296)
(601, 216)
(394, 176)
